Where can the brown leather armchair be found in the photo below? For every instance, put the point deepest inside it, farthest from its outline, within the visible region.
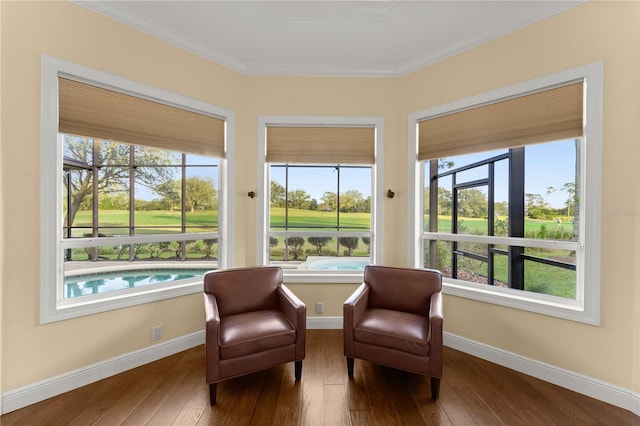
(253, 322)
(395, 319)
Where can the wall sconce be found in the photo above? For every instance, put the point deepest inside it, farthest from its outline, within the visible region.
(390, 194)
(251, 194)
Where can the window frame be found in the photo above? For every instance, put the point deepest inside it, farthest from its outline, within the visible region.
(262, 253)
(183, 167)
(586, 307)
(52, 306)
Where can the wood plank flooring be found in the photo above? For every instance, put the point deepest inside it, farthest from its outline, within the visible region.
(172, 391)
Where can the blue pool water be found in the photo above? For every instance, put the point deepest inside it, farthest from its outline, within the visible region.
(102, 282)
(333, 264)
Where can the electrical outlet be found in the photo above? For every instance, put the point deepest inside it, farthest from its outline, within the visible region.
(156, 332)
(320, 308)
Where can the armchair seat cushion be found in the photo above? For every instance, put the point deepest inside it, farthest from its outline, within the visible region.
(252, 332)
(403, 331)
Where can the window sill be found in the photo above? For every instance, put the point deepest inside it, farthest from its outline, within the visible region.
(81, 306)
(559, 307)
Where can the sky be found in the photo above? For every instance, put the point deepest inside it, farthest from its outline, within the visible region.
(318, 180)
(207, 168)
(546, 165)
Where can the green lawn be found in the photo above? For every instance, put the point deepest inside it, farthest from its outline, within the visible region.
(538, 277)
(314, 219)
(300, 219)
(531, 226)
(161, 220)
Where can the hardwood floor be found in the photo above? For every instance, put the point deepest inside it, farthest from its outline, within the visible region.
(172, 391)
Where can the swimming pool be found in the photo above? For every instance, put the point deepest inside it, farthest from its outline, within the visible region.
(102, 282)
(321, 263)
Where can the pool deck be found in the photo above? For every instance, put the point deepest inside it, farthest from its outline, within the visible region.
(83, 267)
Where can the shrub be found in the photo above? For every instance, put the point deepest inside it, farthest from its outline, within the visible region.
(329, 252)
(276, 253)
(351, 243)
(367, 242)
(195, 246)
(319, 243)
(106, 251)
(295, 244)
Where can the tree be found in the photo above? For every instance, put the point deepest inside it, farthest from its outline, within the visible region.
(444, 163)
(319, 243)
(472, 203)
(299, 199)
(537, 207)
(117, 201)
(351, 201)
(570, 189)
(534, 200)
(501, 208)
(277, 194)
(330, 200)
(200, 193)
(107, 156)
(366, 205)
(351, 243)
(170, 193)
(444, 201)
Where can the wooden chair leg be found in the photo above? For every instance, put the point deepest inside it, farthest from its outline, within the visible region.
(298, 370)
(435, 388)
(213, 389)
(350, 367)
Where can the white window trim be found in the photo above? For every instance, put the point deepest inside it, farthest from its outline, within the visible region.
(301, 276)
(52, 307)
(586, 307)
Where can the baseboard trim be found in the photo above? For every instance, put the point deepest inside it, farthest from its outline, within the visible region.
(324, 323)
(36, 392)
(603, 391)
(594, 388)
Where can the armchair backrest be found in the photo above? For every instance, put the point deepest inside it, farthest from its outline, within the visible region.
(402, 289)
(244, 289)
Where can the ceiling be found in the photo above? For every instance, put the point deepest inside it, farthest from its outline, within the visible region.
(325, 38)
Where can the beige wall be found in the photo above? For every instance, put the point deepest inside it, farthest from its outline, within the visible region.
(595, 31)
(1, 217)
(606, 31)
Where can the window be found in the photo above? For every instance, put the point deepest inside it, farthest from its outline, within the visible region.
(135, 200)
(507, 195)
(319, 208)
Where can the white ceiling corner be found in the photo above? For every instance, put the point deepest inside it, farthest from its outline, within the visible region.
(328, 38)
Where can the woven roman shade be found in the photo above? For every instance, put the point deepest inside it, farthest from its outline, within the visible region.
(321, 145)
(543, 116)
(87, 110)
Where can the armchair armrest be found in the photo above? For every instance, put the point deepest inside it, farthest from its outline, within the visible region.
(212, 339)
(435, 334)
(353, 309)
(296, 312)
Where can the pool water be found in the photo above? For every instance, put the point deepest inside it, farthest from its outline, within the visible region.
(102, 282)
(336, 264)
